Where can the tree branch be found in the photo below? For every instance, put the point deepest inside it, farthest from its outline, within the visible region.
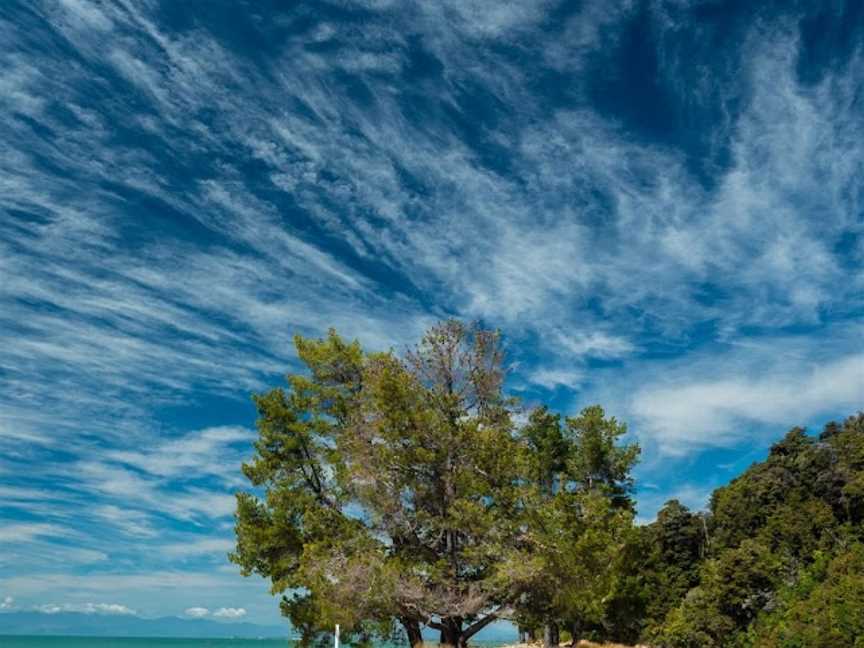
(477, 626)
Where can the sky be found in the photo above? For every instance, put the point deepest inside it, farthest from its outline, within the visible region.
(660, 205)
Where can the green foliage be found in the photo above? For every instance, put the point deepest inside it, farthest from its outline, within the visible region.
(779, 569)
(548, 450)
(658, 566)
(598, 462)
(823, 609)
(389, 489)
(579, 516)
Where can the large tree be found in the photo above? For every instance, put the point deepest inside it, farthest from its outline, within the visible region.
(389, 489)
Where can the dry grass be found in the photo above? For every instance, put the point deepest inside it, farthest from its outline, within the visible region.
(591, 644)
(581, 644)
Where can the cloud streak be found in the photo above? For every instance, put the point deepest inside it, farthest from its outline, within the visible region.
(86, 608)
(721, 410)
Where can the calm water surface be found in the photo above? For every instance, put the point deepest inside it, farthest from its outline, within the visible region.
(126, 642)
(136, 642)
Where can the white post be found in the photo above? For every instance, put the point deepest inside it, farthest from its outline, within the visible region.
(336, 637)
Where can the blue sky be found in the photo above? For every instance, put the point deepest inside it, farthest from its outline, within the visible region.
(659, 203)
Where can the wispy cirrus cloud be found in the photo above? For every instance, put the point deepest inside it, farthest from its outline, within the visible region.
(216, 547)
(721, 409)
(534, 253)
(729, 395)
(130, 522)
(23, 532)
(206, 451)
(668, 233)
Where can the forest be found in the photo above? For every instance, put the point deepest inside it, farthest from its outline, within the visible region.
(398, 493)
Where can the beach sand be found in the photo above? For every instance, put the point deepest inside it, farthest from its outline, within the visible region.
(581, 644)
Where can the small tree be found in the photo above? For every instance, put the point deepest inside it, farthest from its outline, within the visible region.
(390, 489)
(579, 516)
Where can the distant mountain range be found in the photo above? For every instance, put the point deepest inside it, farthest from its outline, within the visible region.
(98, 625)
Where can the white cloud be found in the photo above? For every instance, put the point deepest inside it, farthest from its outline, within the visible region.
(87, 13)
(49, 608)
(86, 608)
(19, 494)
(721, 399)
(156, 592)
(131, 522)
(154, 494)
(8, 603)
(596, 344)
(204, 452)
(38, 554)
(216, 547)
(221, 613)
(112, 608)
(524, 250)
(23, 532)
(105, 582)
(552, 378)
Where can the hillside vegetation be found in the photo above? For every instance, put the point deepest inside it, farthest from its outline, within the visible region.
(777, 561)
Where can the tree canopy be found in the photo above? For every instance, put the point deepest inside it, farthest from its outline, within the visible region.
(404, 490)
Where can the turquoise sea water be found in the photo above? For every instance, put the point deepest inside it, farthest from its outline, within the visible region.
(139, 642)
(125, 642)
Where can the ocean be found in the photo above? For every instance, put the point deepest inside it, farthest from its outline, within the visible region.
(136, 642)
(7, 641)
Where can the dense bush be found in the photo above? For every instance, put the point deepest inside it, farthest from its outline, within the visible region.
(824, 609)
(783, 565)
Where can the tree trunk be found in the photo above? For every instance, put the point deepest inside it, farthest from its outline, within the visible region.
(412, 632)
(454, 635)
(451, 633)
(575, 633)
(550, 635)
(476, 627)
